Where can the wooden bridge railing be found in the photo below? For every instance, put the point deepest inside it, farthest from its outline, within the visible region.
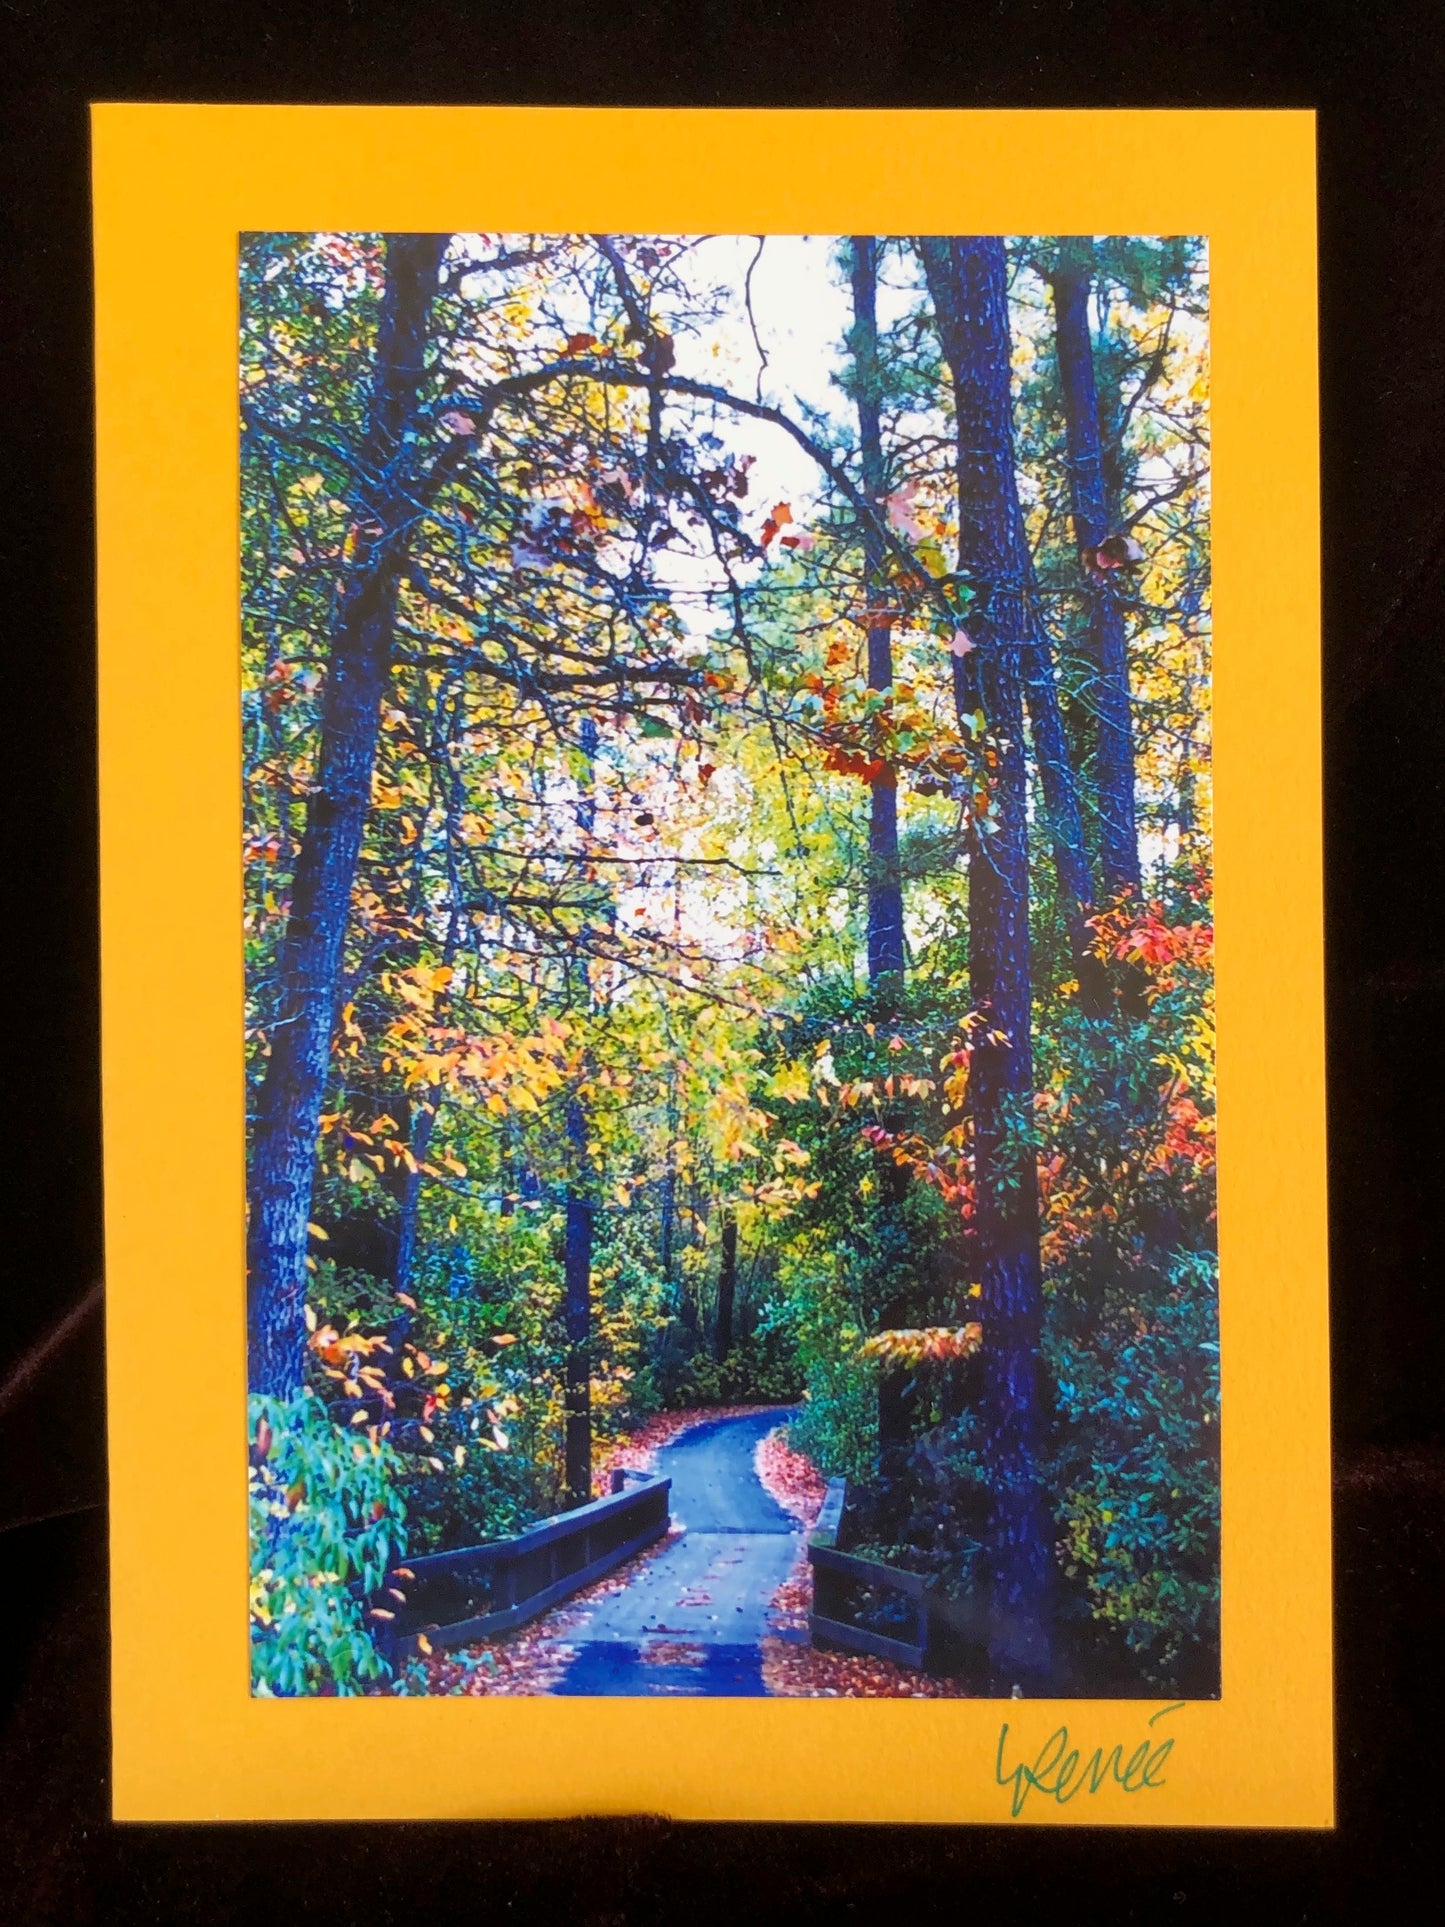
(864, 1606)
(478, 1592)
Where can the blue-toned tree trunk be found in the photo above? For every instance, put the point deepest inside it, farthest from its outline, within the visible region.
(886, 956)
(1107, 700)
(577, 1250)
(885, 883)
(281, 1168)
(967, 281)
(1058, 778)
(577, 1311)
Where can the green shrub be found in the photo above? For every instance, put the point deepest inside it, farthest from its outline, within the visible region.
(838, 1425)
(488, 1492)
(757, 1371)
(1138, 1473)
(324, 1512)
(932, 1516)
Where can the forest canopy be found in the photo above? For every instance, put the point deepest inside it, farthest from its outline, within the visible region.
(727, 855)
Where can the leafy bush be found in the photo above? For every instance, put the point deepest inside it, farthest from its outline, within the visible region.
(931, 1517)
(838, 1425)
(755, 1372)
(324, 1512)
(467, 1488)
(1126, 1117)
(1138, 1470)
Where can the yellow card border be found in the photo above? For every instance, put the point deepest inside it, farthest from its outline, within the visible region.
(174, 186)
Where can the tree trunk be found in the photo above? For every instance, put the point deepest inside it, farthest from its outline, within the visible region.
(581, 1211)
(424, 1117)
(968, 284)
(577, 1290)
(886, 961)
(1064, 821)
(667, 1208)
(727, 1282)
(283, 1147)
(1108, 697)
(885, 884)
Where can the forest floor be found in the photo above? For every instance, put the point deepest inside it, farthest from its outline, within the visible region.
(717, 1609)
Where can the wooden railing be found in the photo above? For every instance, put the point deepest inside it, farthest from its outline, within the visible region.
(478, 1592)
(864, 1606)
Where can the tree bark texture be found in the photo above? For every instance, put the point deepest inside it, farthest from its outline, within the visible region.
(577, 1263)
(1107, 698)
(885, 884)
(968, 284)
(577, 1298)
(886, 956)
(281, 1170)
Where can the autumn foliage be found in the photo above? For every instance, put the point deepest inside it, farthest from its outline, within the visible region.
(658, 667)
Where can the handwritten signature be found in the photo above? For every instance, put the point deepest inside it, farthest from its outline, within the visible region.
(1058, 1775)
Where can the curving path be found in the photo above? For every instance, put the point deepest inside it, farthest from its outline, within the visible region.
(692, 1620)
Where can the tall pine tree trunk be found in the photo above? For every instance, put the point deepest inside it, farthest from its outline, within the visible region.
(281, 1170)
(577, 1308)
(1063, 819)
(886, 962)
(1108, 639)
(577, 1259)
(968, 284)
(885, 884)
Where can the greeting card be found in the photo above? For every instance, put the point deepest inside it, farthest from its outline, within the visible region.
(711, 844)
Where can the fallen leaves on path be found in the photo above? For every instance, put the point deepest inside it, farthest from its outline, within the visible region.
(534, 1658)
(792, 1667)
(791, 1479)
(672, 1652)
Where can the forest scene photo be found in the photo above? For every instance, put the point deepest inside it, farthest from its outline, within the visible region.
(729, 965)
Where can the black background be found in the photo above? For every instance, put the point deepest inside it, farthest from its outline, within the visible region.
(1377, 77)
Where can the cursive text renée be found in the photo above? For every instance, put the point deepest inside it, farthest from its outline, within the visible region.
(1061, 1771)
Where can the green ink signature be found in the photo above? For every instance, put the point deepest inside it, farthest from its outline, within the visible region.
(1057, 1775)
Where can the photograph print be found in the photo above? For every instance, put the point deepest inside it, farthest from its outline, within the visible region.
(729, 965)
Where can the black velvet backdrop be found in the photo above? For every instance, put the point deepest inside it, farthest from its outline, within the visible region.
(1377, 76)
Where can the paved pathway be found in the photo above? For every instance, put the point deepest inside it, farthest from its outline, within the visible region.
(692, 1618)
